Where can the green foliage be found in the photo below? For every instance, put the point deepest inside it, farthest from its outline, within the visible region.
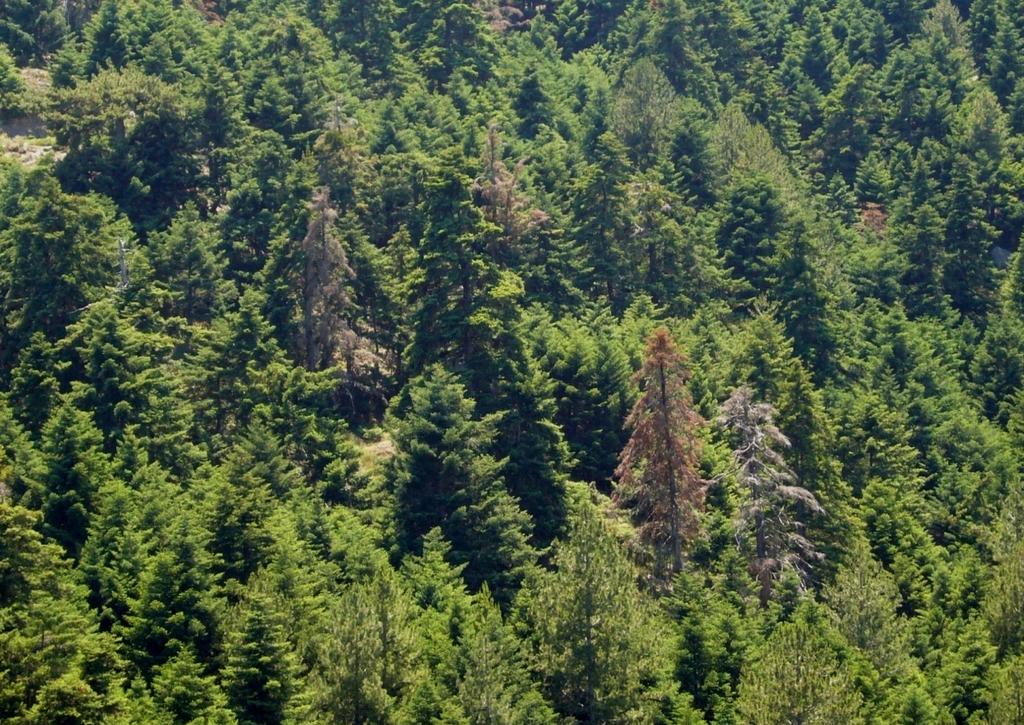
(596, 638)
(442, 475)
(798, 675)
(320, 318)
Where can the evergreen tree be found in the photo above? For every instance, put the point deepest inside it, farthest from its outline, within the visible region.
(62, 255)
(175, 614)
(602, 219)
(442, 475)
(12, 87)
(188, 268)
(367, 657)
(74, 469)
(260, 668)
(494, 686)
(659, 475)
(771, 489)
(56, 665)
(798, 676)
(751, 220)
(182, 692)
(596, 640)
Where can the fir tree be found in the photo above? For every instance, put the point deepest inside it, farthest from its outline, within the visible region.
(659, 476)
(771, 490)
(442, 475)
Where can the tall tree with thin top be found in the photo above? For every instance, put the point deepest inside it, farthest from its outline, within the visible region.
(659, 476)
(774, 497)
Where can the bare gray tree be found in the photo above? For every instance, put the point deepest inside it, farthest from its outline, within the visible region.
(774, 497)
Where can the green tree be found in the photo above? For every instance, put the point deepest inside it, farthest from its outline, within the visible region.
(74, 469)
(183, 692)
(61, 253)
(176, 610)
(1006, 703)
(12, 87)
(494, 686)
(443, 475)
(57, 667)
(260, 673)
(367, 657)
(751, 220)
(188, 268)
(132, 137)
(1004, 605)
(596, 639)
(602, 221)
(799, 676)
(32, 30)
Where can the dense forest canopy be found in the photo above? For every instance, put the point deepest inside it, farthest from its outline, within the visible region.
(499, 361)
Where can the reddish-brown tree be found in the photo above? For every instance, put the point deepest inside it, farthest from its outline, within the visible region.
(659, 477)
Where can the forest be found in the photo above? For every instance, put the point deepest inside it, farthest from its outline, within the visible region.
(505, 362)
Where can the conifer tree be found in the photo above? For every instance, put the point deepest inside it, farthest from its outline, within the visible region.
(659, 476)
(442, 475)
(751, 220)
(175, 612)
(324, 287)
(113, 554)
(596, 639)
(184, 692)
(367, 657)
(74, 469)
(1006, 692)
(601, 215)
(57, 667)
(260, 668)
(188, 268)
(494, 685)
(798, 676)
(62, 255)
(12, 87)
(771, 489)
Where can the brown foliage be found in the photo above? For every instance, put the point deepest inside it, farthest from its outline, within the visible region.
(658, 472)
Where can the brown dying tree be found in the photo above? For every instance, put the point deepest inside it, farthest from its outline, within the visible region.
(658, 473)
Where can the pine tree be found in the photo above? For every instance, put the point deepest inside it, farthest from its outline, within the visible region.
(32, 29)
(494, 685)
(62, 256)
(771, 491)
(12, 87)
(596, 639)
(367, 657)
(659, 476)
(237, 502)
(1006, 699)
(455, 278)
(798, 676)
(113, 554)
(1004, 605)
(228, 372)
(175, 612)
